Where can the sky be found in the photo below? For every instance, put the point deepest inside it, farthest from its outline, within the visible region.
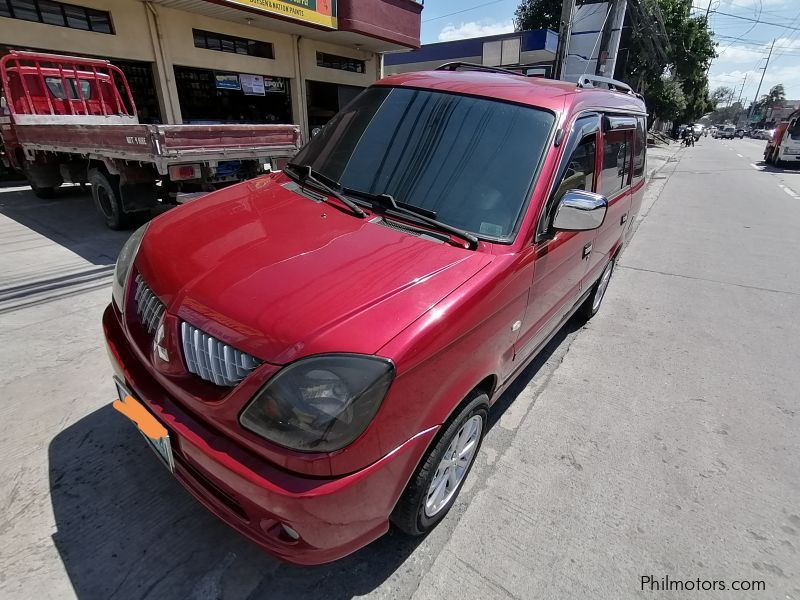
(743, 43)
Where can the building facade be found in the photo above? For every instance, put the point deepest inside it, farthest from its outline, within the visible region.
(224, 61)
(531, 52)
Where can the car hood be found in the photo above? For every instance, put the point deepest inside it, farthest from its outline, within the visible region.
(279, 275)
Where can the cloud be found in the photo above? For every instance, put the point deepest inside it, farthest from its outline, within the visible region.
(473, 29)
(788, 75)
(748, 4)
(740, 54)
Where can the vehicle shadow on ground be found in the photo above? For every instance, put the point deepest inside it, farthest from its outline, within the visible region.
(126, 529)
(69, 219)
(768, 168)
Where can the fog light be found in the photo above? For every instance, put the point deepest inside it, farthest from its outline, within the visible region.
(290, 532)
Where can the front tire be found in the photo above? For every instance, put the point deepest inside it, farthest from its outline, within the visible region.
(433, 488)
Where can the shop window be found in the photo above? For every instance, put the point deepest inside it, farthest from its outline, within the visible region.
(50, 12)
(343, 63)
(203, 100)
(228, 43)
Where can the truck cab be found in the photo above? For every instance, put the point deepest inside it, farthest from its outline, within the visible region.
(784, 146)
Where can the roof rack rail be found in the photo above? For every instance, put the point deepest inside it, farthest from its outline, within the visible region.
(468, 66)
(589, 81)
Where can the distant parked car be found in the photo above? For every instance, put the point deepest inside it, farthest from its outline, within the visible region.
(727, 133)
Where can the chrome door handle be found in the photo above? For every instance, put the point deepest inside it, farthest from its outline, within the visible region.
(587, 249)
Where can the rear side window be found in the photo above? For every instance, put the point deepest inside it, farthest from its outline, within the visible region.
(640, 147)
(616, 161)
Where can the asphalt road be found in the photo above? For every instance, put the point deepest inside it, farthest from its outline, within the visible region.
(661, 439)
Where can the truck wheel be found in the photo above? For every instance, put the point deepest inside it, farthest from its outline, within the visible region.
(45, 193)
(591, 305)
(435, 484)
(106, 199)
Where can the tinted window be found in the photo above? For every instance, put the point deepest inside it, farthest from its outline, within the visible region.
(616, 162)
(343, 63)
(229, 43)
(51, 13)
(579, 174)
(794, 130)
(99, 21)
(56, 87)
(640, 141)
(25, 9)
(470, 160)
(76, 17)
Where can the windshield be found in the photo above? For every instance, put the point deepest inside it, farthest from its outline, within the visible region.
(469, 160)
(794, 129)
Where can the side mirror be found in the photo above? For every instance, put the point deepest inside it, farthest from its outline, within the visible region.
(579, 210)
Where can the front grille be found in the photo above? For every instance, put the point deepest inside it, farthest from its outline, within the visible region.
(148, 307)
(213, 360)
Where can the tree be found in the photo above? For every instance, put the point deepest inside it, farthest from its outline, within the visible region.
(666, 99)
(668, 52)
(679, 49)
(538, 14)
(776, 95)
(721, 95)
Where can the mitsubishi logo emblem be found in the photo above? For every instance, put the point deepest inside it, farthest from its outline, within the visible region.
(158, 340)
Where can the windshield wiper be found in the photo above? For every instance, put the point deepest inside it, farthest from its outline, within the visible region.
(306, 174)
(425, 212)
(388, 202)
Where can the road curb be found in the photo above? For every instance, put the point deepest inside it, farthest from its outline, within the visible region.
(655, 170)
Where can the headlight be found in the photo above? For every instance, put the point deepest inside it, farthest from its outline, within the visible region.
(123, 267)
(321, 403)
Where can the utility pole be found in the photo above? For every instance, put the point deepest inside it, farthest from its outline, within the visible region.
(758, 91)
(605, 38)
(564, 33)
(741, 90)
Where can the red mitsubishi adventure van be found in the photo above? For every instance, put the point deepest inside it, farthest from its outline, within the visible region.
(314, 353)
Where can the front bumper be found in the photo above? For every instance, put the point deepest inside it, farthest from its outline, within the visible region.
(332, 516)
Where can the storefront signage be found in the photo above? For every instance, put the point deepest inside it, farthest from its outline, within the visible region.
(319, 12)
(252, 85)
(275, 84)
(227, 81)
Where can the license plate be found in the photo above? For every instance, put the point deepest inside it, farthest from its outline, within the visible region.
(151, 429)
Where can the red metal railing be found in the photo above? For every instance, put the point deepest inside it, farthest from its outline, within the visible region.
(40, 65)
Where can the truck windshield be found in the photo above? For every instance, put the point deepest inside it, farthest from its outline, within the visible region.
(794, 129)
(468, 160)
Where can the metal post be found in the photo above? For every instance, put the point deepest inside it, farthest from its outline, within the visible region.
(605, 38)
(758, 91)
(564, 33)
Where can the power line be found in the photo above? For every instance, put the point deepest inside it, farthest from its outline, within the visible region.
(458, 12)
(757, 21)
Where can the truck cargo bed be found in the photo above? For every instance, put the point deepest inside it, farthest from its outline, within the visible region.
(161, 145)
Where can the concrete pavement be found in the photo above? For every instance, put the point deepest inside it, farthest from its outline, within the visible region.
(666, 441)
(661, 439)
